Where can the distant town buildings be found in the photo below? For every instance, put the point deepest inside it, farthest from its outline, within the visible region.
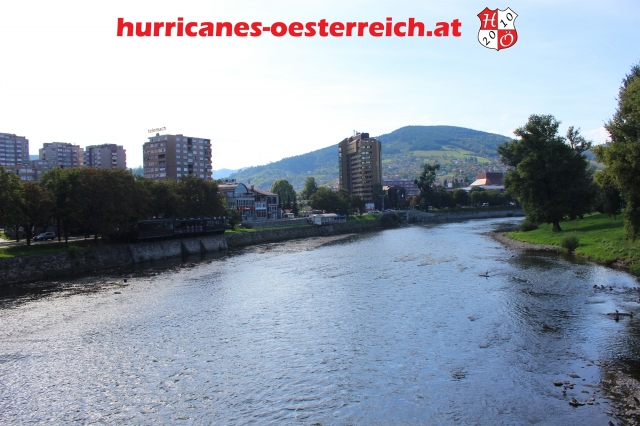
(488, 181)
(360, 165)
(253, 203)
(174, 156)
(14, 150)
(408, 185)
(106, 156)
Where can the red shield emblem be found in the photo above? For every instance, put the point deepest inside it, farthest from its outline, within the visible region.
(497, 28)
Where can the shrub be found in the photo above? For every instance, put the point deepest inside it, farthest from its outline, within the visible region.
(389, 220)
(73, 251)
(528, 225)
(570, 242)
(635, 269)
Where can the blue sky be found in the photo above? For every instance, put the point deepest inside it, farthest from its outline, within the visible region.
(67, 77)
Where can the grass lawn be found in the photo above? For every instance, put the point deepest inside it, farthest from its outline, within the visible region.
(45, 248)
(364, 217)
(474, 209)
(601, 239)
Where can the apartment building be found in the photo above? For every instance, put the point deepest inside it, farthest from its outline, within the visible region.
(105, 156)
(409, 185)
(14, 150)
(360, 165)
(174, 156)
(59, 154)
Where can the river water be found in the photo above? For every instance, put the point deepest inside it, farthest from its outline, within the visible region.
(394, 326)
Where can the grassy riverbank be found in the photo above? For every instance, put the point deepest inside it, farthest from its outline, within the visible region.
(43, 248)
(601, 238)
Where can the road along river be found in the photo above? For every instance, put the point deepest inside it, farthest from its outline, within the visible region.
(395, 326)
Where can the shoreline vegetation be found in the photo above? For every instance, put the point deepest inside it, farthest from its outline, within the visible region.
(600, 239)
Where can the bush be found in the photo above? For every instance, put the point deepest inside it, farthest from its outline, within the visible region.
(570, 242)
(73, 251)
(635, 269)
(389, 220)
(528, 225)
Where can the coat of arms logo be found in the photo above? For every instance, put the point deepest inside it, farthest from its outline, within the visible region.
(497, 28)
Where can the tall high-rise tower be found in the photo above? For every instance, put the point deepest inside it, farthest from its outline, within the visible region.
(360, 165)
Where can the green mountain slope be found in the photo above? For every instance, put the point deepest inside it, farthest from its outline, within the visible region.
(403, 152)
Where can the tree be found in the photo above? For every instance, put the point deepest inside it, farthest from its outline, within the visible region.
(310, 188)
(165, 197)
(377, 193)
(11, 192)
(65, 187)
(356, 203)
(110, 199)
(200, 197)
(621, 155)
(329, 201)
(461, 197)
(551, 177)
(429, 196)
(36, 207)
(284, 189)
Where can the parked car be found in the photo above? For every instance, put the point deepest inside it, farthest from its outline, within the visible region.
(45, 236)
(485, 204)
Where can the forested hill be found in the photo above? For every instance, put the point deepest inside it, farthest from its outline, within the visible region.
(426, 138)
(403, 151)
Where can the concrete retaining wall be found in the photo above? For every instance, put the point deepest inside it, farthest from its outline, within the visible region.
(33, 268)
(424, 217)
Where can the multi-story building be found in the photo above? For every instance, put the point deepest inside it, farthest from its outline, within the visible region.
(409, 185)
(253, 203)
(105, 156)
(14, 150)
(26, 172)
(174, 156)
(60, 154)
(360, 165)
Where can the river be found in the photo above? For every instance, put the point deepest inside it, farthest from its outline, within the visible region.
(395, 326)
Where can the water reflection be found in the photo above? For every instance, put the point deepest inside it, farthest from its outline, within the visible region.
(388, 327)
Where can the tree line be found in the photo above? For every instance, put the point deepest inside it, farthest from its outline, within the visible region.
(552, 178)
(101, 202)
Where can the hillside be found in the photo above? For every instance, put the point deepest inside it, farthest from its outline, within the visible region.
(460, 151)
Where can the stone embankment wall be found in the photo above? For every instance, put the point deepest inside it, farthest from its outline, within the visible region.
(33, 268)
(424, 217)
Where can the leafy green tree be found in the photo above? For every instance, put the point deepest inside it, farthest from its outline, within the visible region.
(310, 188)
(621, 155)
(329, 201)
(356, 203)
(478, 196)
(200, 197)
(165, 197)
(36, 207)
(378, 195)
(65, 186)
(11, 192)
(284, 189)
(461, 197)
(429, 195)
(551, 177)
(445, 198)
(111, 199)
